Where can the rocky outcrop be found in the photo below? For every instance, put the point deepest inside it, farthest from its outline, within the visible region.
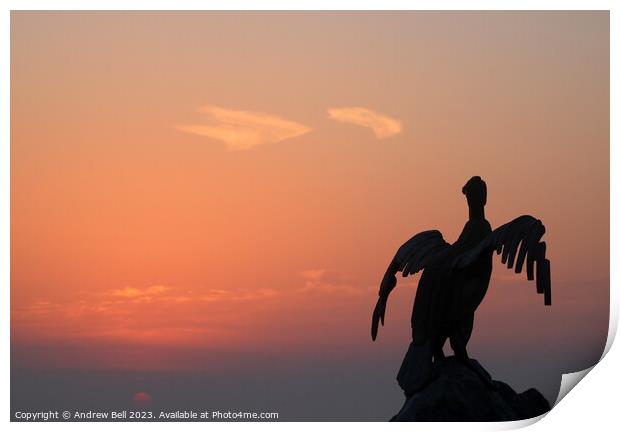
(466, 392)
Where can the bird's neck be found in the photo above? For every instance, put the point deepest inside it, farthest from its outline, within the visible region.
(476, 213)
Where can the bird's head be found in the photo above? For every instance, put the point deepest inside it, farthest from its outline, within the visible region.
(476, 192)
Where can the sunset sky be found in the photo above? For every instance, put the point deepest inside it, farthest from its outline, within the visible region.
(220, 193)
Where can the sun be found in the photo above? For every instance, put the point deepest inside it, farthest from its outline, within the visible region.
(142, 400)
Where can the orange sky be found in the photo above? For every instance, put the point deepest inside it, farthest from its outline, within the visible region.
(240, 181)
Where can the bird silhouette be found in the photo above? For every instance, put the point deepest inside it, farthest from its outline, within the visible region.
(455, 278)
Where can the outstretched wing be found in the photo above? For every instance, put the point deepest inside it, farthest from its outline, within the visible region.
(519, 243)
(414, 255)
(418, 252)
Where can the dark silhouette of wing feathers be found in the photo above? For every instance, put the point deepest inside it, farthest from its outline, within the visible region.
(524, 247)
(518, 239)
(418, 251)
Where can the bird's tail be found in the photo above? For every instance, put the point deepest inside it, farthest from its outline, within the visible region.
(417, 368)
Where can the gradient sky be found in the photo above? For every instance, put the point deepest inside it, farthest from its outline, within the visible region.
(218, 194)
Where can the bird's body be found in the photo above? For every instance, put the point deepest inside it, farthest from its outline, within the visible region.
(454, 281)
(444, 306)
(445, 296)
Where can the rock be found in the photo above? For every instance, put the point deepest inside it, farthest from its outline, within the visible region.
(466, 392)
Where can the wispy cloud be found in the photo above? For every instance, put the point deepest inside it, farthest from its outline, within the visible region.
(156, 313)
(169, 316)
(382, 125)
(325, 281)
(242, 130)
(132, 293)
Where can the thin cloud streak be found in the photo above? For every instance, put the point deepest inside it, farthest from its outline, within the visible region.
(173, 316)
(243, 130)
(131, 292)
(382, 125)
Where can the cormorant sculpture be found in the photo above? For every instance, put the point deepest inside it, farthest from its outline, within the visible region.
(454, 280)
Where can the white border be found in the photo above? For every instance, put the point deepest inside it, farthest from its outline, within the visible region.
(592, 406)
